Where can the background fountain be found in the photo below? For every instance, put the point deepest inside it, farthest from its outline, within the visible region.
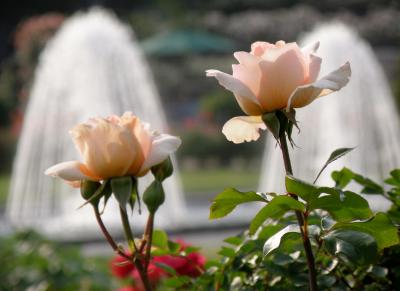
(92, 67)
(362, 115)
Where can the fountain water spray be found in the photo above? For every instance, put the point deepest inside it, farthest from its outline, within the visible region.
(92, 67)
(362, 115)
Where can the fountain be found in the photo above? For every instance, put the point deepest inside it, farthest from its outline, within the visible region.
(361, 115)
(92, 67)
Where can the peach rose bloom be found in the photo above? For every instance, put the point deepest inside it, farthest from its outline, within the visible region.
(114, 147)
(274, 77)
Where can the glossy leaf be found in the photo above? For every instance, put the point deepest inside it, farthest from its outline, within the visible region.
(380, 227)
(342, 178)
(345, 176)
(274, 241)
(356, 247)
(306, 191)
(342, 206)
(176, 282)
(225, 202)
(275, 209)
(160, 239)
(336, 154)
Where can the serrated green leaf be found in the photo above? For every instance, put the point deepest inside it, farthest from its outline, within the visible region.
(166, 268)
(234, 240)
(176, 282)
(160, 239)
(342, 206)
(336, 154)
(275, 209)
(380, 227)
(122, 189)
(274, 241)
(174, 247)
(353, 246)
(327, 222)
(378, 271)
(272, 123)
(306, 191)
(227, 252)
(342, 178)
(225, 202)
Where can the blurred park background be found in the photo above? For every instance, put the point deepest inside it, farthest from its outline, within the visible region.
(181, 39)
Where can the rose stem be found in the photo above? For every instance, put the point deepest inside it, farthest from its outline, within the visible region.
(149, 237)
(129, 236)
(301, 219)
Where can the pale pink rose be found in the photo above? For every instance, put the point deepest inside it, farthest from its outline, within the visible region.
(114, 147)
(274, 77)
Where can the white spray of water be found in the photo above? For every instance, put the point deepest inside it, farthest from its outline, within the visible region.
(92, 67)
(361, 115)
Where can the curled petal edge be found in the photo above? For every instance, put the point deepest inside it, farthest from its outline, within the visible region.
(243, 128)
(162, 146)
(244, 96)
(334, 81)
(72, 172)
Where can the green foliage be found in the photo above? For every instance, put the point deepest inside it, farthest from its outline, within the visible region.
(225, 202)
(30, 262)
(336, 154)
(354, 248)
(277, 207)
(380, 227)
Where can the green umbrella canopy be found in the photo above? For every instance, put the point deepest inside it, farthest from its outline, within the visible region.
(184, 41)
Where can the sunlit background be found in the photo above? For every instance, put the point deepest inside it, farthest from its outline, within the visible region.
(178, 40)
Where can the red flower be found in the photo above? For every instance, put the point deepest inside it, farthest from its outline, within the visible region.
(121, 267)
(130, 288)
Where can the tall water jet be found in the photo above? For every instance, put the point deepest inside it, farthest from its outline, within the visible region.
(361, 115)
(92, 67)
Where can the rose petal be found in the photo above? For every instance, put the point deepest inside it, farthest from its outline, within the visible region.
(243, 128)
(244, 96)
(283, 70)
(314, 68)
(162, 146)
(71, 171)
(304, 95)
(310, 49)
(248, 71)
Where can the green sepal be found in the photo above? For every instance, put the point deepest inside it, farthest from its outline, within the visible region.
(163, 170)
(92, 192)
(154, 196)
(122, 189)
(272, 122)
(88, 189)
(134, 195)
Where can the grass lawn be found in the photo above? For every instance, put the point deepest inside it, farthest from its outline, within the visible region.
(202, 180)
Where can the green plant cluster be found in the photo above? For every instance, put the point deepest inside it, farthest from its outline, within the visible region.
(30, 262)
(354, 248)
